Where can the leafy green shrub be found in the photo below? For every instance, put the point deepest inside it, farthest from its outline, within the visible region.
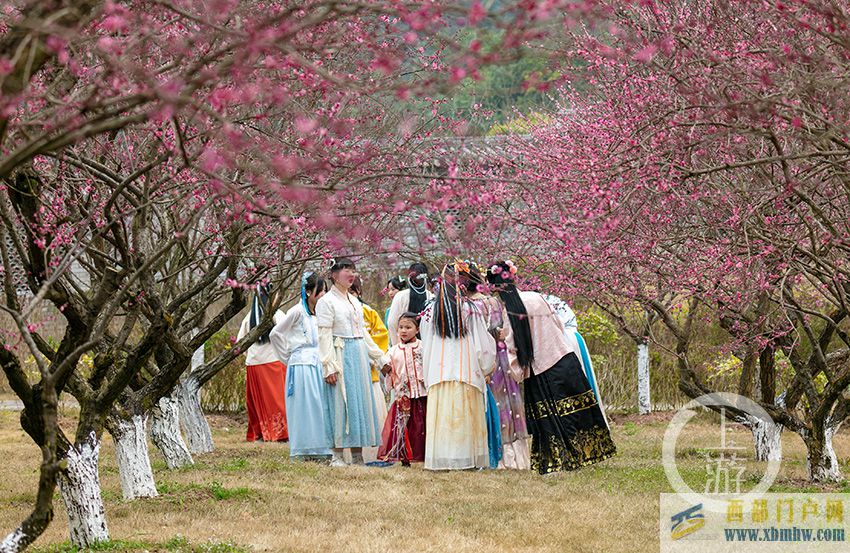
(225, 392)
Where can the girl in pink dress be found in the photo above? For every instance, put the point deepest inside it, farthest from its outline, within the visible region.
(404, 430)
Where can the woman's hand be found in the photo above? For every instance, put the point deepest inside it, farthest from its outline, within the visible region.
(331, 379)
(385, 370)
(503, 333)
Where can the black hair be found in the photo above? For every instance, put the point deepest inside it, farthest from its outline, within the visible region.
(503, 281)
(410, 315)
(258, 309)
(447, 316)
(357, 287)
(472, 278)
(418, 296)
(397, 283)
(339, 264)
(315, 284)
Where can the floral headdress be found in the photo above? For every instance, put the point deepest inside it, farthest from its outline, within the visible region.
(510, 274)
(462, 266)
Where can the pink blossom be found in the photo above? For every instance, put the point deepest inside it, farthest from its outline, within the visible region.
(476, 13)
(645, 54)
(305, 125)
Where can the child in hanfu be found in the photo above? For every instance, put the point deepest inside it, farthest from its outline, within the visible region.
(403, 436)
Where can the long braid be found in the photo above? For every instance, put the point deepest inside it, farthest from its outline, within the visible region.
(501, 276)
(448, 308)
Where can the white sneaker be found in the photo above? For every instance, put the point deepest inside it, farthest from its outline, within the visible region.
(337, 462)
(357, 459)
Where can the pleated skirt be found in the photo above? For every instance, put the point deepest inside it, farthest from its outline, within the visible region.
(455, 428)
(494, 434)
(353, 416)
(404, 440)
(310, 431)
(264, 401)
(509, 400)
(566, 424)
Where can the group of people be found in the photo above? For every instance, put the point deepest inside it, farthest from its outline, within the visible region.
(472, 368)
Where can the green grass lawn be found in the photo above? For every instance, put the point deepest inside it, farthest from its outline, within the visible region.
(250, 497)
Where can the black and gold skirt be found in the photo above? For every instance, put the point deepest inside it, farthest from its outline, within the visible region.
(566, 424)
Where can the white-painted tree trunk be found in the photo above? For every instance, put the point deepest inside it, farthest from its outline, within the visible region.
(824, 467)
(192, 419)
(198, 358)
(131, 454)
(767, 436)
(767, 439)
(79, 486)
(644, 402)
(165, 433)
(12, 542)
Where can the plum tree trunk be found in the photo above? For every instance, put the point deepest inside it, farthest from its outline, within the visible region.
(195, 425)
(822, 462)
(165, 433)
(131, 454)
(14, 542)
(767, 435)
(644, 401)
(767, 439)
(79, 486)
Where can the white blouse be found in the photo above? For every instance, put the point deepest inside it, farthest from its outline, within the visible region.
(469, 358)
(339, 316)
(296, 338)
(259, 354)
(344, 315)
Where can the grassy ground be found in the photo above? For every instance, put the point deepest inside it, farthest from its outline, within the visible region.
(250, 497)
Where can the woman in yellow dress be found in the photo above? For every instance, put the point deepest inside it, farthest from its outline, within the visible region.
(381, 336)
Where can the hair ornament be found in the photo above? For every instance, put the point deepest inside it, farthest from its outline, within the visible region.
(461, 266)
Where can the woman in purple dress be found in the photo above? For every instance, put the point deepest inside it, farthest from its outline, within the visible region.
(505, 390)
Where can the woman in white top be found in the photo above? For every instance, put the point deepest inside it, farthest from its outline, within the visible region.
(345, 350)
(264, 379)
(296, 340)
(412, 299)
(458, 353)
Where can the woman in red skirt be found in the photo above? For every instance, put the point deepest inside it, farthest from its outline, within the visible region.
(265, 381)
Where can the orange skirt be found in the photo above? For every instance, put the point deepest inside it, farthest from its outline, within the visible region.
(265, 390)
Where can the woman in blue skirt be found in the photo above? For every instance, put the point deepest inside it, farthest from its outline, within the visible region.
(296, 341)
(345, 350)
